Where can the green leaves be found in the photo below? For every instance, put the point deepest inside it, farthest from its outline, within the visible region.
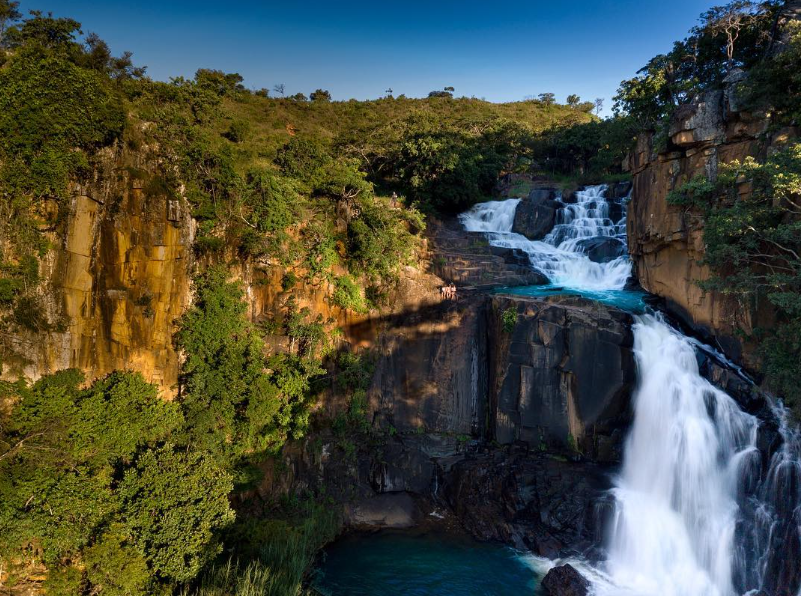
(175, 502)
(737, 34)
(347, 294)
(380, 239)
(238, 405)
(88, 475)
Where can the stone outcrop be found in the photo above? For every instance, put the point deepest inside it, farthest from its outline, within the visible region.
(432, 370)
(530, 500)
(466, 258)
(666, 241)
(562, 376)
(536, 214)
(395, 510)
(561, 379)
(565, 581)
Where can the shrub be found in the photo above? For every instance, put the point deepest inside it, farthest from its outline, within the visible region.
(347, 295)
(149, 514)
(509, 319)
(752, 247)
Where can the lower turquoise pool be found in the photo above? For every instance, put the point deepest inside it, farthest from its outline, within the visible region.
(431, 564)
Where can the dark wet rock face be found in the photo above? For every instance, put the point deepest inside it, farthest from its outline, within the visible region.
(562, 376)
(565, 581)
(528, 499)
(432, 370)
(536, 214)
(603, 248)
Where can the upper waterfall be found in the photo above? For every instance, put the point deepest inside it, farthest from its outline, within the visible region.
(561, 255)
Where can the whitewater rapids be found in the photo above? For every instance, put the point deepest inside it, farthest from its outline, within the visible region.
(559, 256)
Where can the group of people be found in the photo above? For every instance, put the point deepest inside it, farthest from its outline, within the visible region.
(448, 292)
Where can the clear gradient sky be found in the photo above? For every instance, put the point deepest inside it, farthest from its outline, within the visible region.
(501, 51)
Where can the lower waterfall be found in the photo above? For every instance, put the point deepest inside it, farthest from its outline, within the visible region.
(676, 506)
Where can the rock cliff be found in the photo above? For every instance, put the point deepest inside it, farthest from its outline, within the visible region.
(562, 377)
(115, 280)
(666, 241)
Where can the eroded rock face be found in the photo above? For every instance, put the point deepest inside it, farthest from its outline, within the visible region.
(536, 214)
(666, 242)
(432, 372)
(115, 282)
(528, 499)
(467, 259)
(561, 379)
(563, 376)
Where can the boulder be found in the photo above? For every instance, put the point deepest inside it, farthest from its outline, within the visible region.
(565, 581)
(391, 510)
(731, 95)
(602, 249)
(402, 467)
(699, 123)
(536, 214)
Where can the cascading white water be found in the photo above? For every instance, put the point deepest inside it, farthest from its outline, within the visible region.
(695, 513)
(561, 254)
(676, 499)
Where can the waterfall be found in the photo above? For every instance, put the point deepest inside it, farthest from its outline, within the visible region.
(708, 501)
(561, 255)
(676, 508)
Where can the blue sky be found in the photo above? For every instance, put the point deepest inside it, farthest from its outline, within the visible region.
(501, 51)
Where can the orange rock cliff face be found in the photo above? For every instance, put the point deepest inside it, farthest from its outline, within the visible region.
(114, 281)
(666, 241)
(118, 278)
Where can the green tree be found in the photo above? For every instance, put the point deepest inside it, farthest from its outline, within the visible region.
(88, 476)
(753, 246)
(320, 95)
(229, 400)
(9, 12)
(547, 98)
(573, 100)
(54, 114)
(729, 21)
(175, 504)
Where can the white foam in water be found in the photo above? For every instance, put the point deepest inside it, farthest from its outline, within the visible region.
(559, 255)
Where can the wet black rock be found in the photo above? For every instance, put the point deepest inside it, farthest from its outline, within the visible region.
(565, 581)
(528, 499)
(602, 249)
(536, 214)
(619, 190)
(562, 377)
